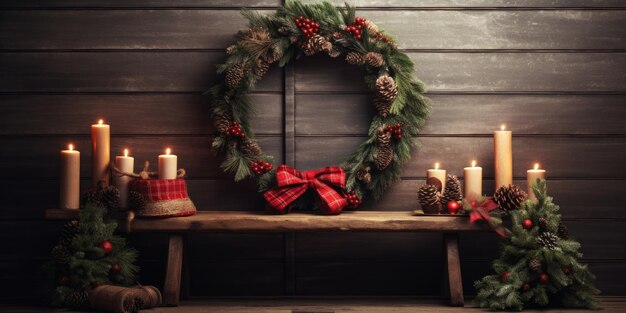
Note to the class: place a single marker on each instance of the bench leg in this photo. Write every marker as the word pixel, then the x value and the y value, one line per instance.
pixel 453 269
pixel 171 290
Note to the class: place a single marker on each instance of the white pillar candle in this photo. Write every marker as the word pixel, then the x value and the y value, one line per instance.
pixel 125 164
pixel 100 153
pixel 503 155
pixel 438 174
pixel 531 180
pixel 167 165
pixel 473 181
pixel 69 194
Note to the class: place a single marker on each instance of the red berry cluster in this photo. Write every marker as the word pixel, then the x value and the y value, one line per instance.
pixel 381 37
pixel 260 167
pixel 355 28
pixel 395 130
pixel 353 200
pixel 235 131
pixel 308 26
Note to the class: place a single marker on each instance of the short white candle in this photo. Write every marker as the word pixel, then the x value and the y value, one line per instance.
pixel 101 153
pixel 531 180
pixel 439 174
pixel 167 165
pixel 503 155
pixel 69 193
pixel 473 181
pixel 125 164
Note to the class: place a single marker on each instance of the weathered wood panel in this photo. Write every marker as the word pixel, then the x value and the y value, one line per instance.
pixel 486 72
pixel 187 71
pixel 214 29
pixel 564 157
pixel 194 153
pixel 191 4
pixel 134 114
pixel 239 278
pixel 349 114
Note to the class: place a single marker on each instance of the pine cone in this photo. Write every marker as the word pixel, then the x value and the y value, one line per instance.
pixel 251 148
pixel 381 105
pixel 509 197
pixel 231 50
pixel 386 88
pixel 429 199
pixel 547 240
pixel 452 191
pixel 535 265
pixel 563 232
pixel 543 223
pixel 308 47
pixel 337 36
pixel 234 75
pixel 273 57
pixel 70 229
pixel 77 299
pixel 363 175
pixel 136 201
pixel 383 137
pixel 334 52
pixel 355 58
pixel 111 198
pixel 261 67
pixel 371 27
pixel 221 122
pixel 93 197
pixel 374 59
pixel 60 254
pixel 320 42
pixel 383 157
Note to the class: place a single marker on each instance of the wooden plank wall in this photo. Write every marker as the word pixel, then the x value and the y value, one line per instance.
pixel 553 70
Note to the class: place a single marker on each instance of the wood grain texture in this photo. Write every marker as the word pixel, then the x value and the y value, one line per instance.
pixel 485 72
pixel 190 4
pixel 130 114
pixel 221 221
pixel 214 29
pixel 171 288
pixel 453 273
pixel 565 157
pixel 350 114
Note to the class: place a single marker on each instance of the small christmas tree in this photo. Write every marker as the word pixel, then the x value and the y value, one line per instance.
pixel 88 255
pixel 536 267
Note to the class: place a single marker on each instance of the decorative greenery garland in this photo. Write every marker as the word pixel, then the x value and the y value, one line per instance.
pixel 297 29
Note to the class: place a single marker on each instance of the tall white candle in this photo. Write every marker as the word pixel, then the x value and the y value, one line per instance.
pixel 167 165
pixel 438 174
pixel 125 164
pixel 100 153
pixel 531 179
pixel 473 181
pixel 69 193
pixel 503 157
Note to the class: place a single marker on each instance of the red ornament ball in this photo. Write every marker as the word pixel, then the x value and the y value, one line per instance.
pixel 116 268
pixel 544 278
pixel 107 246
pixel 505 276
pixel 526 287
pixel 63 280
pixel 566 270
pixel 453 207
pixel 528 223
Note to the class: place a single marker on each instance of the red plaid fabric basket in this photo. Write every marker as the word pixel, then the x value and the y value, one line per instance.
pixel 163 197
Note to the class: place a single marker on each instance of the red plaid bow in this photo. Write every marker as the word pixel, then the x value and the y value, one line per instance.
pixel 291 184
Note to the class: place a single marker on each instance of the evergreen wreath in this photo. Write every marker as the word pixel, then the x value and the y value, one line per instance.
pixel 298 29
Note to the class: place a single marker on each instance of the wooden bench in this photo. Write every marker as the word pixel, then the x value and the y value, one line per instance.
pixel 251 222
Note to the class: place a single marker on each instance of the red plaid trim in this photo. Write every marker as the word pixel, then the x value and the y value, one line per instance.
pixel 291 184
pixel 160 189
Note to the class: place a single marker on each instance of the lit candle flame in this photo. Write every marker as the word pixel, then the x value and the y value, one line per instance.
pixel 502 127
pixel 473 163
pixel 70 147
pixel 100 121
pixel 125 152
pixel 168 151
pixel 536 166
pixel 437 165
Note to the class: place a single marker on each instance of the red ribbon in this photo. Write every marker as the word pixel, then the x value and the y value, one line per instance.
pixel 291 184
pixel 481 212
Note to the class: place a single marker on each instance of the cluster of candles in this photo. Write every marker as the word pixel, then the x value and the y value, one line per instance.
pixel 69 196
pixel 503 161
